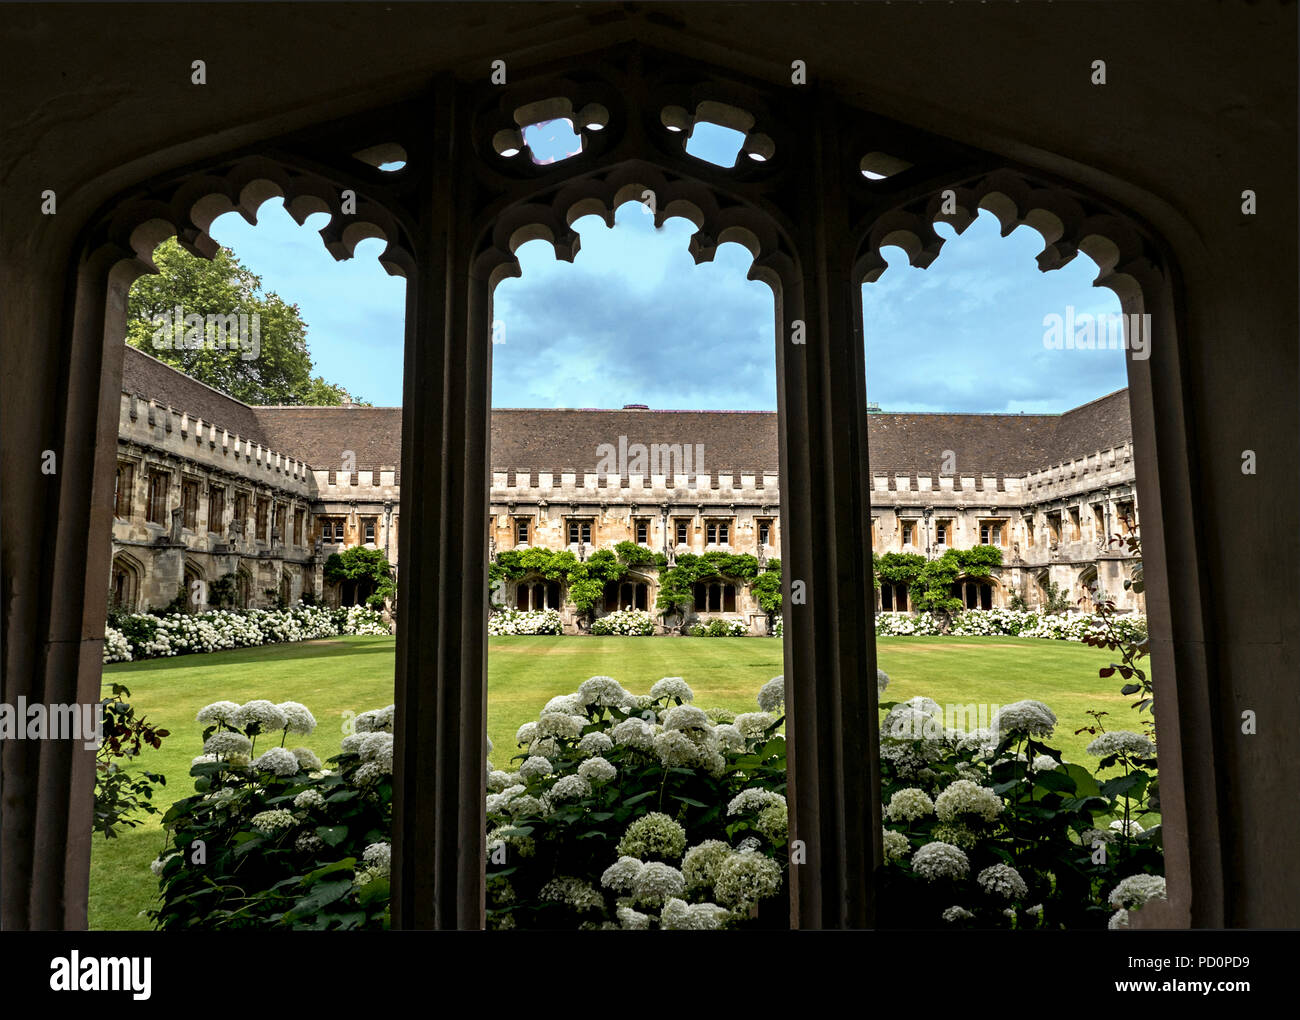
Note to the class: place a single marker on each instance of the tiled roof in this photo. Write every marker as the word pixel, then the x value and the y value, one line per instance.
pixel 563 439
pixel 146 376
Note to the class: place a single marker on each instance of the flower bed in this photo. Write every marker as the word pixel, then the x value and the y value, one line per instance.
pixel 289 843
pixel 525 621
pixel 1010 623
pixel 640 811
pixel 627 622
pixel 143 636
pixel 720 628
pixel 626 811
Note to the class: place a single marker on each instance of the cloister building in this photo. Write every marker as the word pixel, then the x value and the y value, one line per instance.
pixel 208 486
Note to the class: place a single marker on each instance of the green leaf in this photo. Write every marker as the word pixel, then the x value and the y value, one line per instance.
pixel 332 835
pixel 322 894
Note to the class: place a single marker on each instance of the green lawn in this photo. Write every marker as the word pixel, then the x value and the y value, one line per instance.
pixel 354 674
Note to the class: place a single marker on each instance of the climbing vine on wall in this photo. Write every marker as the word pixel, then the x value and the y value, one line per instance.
pixel 930 582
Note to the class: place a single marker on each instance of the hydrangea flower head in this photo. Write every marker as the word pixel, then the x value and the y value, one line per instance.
pixel 746 878
pixel 218 712
pixel 771 697
pixel 1122 742
pixel 1026 717
pixel 671 687
pixel 300 719
pixel 940 860
pixel 266 716
pixel 1003 880
pixel 906 805
pixel 966 798
pixel 686 717
pixel 597 770
pixel 653 835
pixel 656 881
pixel 602 691
pixel 278 760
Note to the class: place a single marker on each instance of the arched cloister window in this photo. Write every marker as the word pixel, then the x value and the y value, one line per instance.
pixel 630 594
pixel 893 597
pixel 424 759
pixel 539 594
pixel 124 583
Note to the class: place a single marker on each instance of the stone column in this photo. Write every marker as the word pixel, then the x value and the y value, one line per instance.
pixel 439 813
pixel 830 658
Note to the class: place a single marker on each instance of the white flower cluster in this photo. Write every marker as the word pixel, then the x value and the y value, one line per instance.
pixel 771 698
pixel 906 805
pixel 625 622
pixel 1136 890
pixel 222 629
pixel 523 622
pixel 1026 717
pixel 964 797
pixel 116 647
pixel 1011 622
pixel 940 860
pixel 1123 742
pixel 1003 880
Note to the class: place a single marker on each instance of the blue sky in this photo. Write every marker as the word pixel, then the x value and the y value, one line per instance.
pixel 634 320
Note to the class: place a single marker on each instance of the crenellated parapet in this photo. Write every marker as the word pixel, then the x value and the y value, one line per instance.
pixel 173 432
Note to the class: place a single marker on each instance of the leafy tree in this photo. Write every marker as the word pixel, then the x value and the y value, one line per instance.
pixel 281 371
pixel 359 570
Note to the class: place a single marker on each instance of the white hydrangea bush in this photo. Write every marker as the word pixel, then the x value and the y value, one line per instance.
pixel 289 841
pixel 992 828
pixel 525 622
pixel 145 636
pixel 627 811
pixel 1011 623
pixel 626 623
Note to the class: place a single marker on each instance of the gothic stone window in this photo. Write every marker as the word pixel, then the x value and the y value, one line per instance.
pixel 908 529
pixel 642 532
pixel 368 529
pixel 1076 531
pixel 683 528
pixel 719 532
pixel 159 481
pixel 281 513
pixel 974 594
pixel 263 518
pixel 715 597
pixel 1029 529
pixel 764 532
pixel 190 503
pixel 579 531
pixel 1054 527
pixel 991 532
pixel 1099 521
pixel 122 497
pixel 299 525
pixel 241 507
pixel 943 532
pixel 216 508
pixel 521 531
pixel 1124 516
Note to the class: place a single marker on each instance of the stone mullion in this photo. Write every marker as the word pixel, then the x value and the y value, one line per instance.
pixel 440 729
pixel 830 648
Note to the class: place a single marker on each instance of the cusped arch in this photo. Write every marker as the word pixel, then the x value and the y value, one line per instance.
pixel 718 219
pixel 1067 221
pixel 127 235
